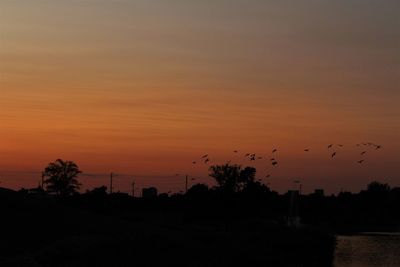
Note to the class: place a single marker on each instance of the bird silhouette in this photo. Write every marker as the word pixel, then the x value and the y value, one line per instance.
pixel 206 161
pixel 273 151
pixel 340 145
pixel 333 155
pixel 378 147
pixel 272 159
pixel 274 163
pixel 194 162
pixel 361 161
pixel 260 158
pixel 205 156
pixel 306 150
pixel 235 151
pixel 330 146
pixel 248 154
pixel 363 153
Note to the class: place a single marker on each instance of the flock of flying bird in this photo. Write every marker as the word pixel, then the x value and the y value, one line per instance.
pixel 253 157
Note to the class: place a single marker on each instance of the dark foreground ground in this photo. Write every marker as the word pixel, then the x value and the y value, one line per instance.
pixel 117 231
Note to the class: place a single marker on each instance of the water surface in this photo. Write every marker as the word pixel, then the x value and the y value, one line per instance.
pixel 368 250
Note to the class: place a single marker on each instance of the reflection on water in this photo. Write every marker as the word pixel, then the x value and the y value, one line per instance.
pixel 368 250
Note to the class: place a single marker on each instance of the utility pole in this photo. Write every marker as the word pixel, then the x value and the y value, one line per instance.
pixel 133 189
pixel 111 183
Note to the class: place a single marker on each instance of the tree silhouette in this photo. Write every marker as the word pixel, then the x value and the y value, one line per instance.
pixel 198 191
pixel 62 177
pixel 232 178
pixel 247 176
pixel 99 191
pixel 227 176
pixel 378 188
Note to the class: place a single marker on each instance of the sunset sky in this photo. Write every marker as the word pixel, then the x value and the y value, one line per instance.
pixel 143 88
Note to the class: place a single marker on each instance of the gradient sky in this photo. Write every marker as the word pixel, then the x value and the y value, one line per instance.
pixel 146 87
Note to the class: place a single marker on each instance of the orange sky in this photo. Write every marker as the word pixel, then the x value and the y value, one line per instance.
pixel 146 88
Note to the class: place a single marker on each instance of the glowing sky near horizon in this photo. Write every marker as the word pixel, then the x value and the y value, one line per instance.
pixel 146 87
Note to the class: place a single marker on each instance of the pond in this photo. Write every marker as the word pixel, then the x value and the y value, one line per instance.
pixel 368 250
